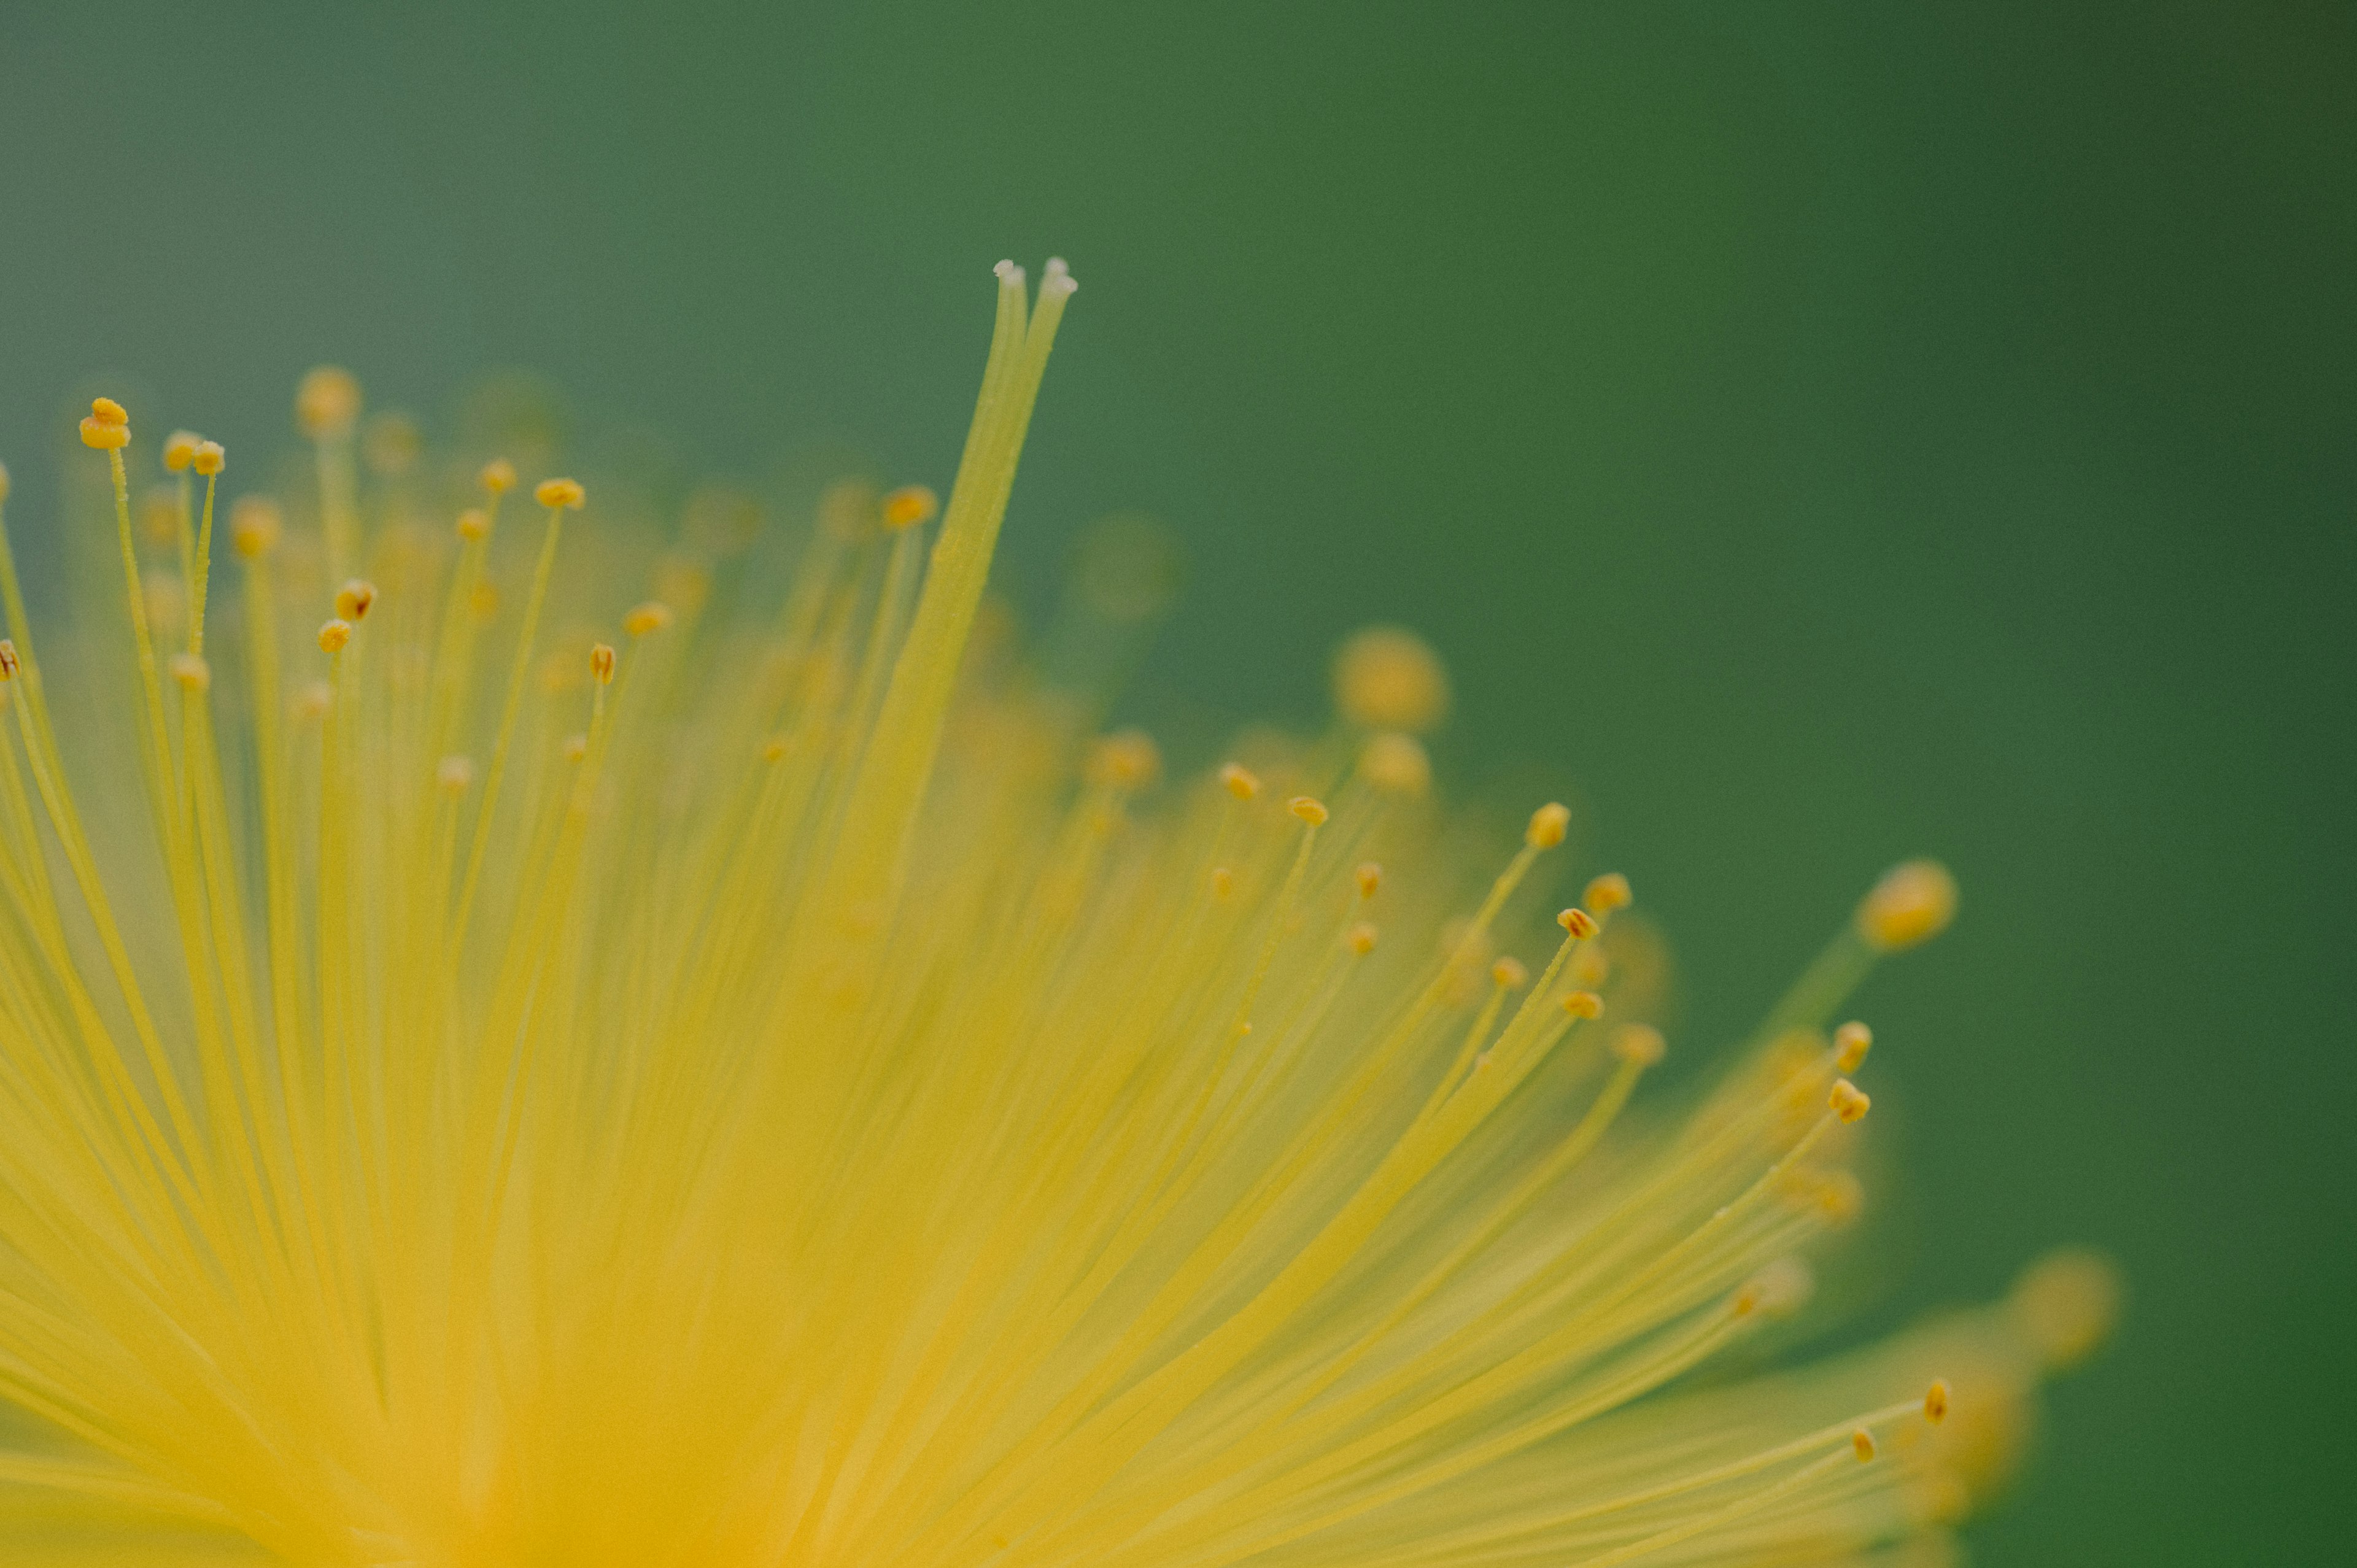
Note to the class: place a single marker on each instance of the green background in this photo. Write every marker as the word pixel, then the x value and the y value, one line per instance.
pixel 1824 431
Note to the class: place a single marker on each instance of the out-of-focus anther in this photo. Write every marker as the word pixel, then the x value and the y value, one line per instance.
pixel 1308 808
pixel 1361 938
pixel 1913 903
pixel 1583 1005
pixel 1640 1042
pixel 647 619
pixel 498 477
pixel 555 494
pixel 1861 1443
pixel 910 505
pixel 474 523
pixel 334 636
pixel 1389 679
pixel 327 403
pixel 354 599
pixel 1239 781
pixel 1509 972
pixel 254 527
pixel 1847 1100
pixel 191 672
pixel 1851 1042
pixel 210 458
pixel 453 774
pixel 181 450
pixel 1936 1402
pixel 1369 877
pixel 1606 894
pixel 1396 764
pixel 601 663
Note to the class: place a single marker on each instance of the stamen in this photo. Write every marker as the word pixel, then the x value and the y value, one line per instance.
pixel 1849 1101
pixel 1238 781
pixel 1851 1042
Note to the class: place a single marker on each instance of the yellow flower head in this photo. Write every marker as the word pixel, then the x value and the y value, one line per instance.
pixel 777 1089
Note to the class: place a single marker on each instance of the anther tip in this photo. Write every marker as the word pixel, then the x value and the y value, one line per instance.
pixel 909 506
pixel 601 663
pixel 334 635
pixel 1849 1101
pixel 1396 764
pixel 1583 1005
pixel 498 477
pixel 1548 825
pixel 555 494
pixel 1387 678
pixel 1861 1443
pixel 1913 903
pixel 1936 1402
pixel 210 458
pixel 1851 1042
pixel 354 599
pixel 181 449
pixel 1369 877
pixel 1641 1044
pixel 1308 808
pixel 1579 922
pixel 1239 781
pixel 327 401
pixel 1360 937
pixel 644 620
pixel 1511 974
pixel 254 527
pixel 1608 893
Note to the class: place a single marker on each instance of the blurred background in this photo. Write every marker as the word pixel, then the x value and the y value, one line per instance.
pixel 1825 433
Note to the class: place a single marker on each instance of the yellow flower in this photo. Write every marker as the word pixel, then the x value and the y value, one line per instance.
pixel 508 1071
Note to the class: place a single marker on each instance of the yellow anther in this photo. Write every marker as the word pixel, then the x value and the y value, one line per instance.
pixel 8 661
pixel 474 523
pixel 651 617
pixel 1583 1004
pixel 1361 938
pixel 1511 973
pixel 253 526
pixel 1779 1289
pixel 1385 678
pixel 1936 1402
pixel 1851 1042
pixel 1913 903
pixel 910 505
pixel 601 663
pixel 453 774
pixel 1223 883
pixel 102 433
pixel 181 449
pixel 497 476
pixel 1548 825
pixel 575 747
pixel 1607 893
pixel 1128 760
pixel 334 635
pixel 106 410
pixel 556 493
pixel 327 403
pixel 1308 808
pixel 1579 922
pixel 1839 1197
pixel 1640 1042
pixel 1862 1442
pixel 1369 877
pixel 211 459
pixel 191 672
pixel 1849 1101
pixel 353 599
pixel 1396 764
pixel 2065 1305
pixel 1239 781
